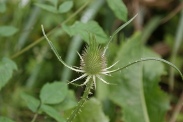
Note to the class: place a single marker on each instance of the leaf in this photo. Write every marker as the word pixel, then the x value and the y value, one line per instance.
pixel 157 101
pixel 119 9
pixel 53 93
pixel 128 93
pixel 69 102
pixel 91 112
pixel 52 112
pixel 6 71
pixel 137 91
pixel 31 102
pixel 7 30
pixel 2 7
pixel 65 6
pixel 5 119
pixel 84 28
pixel 46 7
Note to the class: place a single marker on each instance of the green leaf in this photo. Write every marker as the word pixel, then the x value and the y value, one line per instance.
pixel 54 2
pixel 69 102
pixel 6 71
pixel 7 30
pixel 52 112
pixel 2 7
pixel 31 102
pixel 53 93
pixel 137 91
pixel 129 92
pixel 119 9
pixel 65 6
pixel 156 100
pixel 33 105
pixel 91 112
pixel 5 119
pixel 46 7
pixel 84 28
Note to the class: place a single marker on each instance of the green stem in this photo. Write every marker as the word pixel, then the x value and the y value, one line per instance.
pixel 36 114
pixel 82 101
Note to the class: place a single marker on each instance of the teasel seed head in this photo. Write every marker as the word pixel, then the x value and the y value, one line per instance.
pixel 93 60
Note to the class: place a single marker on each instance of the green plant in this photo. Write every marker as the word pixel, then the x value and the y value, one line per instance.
pixel 118 78
pixel 93 65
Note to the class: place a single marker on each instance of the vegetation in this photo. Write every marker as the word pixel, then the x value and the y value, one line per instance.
pixel 91 61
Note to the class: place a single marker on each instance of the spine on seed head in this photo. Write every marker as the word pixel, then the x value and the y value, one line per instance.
pixel 93 61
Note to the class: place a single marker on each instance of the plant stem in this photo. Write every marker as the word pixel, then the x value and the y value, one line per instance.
pixel 82 101
pixel 176 47
pixel 149 59
pixel 29 24
pixel 177 109
pixel 36 114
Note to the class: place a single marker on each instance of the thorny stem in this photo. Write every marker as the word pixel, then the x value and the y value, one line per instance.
pixel 89 86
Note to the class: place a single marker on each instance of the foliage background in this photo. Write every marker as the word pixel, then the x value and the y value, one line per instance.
pixel 148 94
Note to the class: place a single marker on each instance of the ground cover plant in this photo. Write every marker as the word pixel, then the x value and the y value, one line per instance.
pixel 91 61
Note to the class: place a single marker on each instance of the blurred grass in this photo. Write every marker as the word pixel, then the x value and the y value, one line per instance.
pixel 38 65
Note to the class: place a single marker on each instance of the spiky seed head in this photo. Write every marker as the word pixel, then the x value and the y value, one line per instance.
pixel 93 61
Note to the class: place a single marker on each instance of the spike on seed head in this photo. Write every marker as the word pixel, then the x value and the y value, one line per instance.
pixel 93 61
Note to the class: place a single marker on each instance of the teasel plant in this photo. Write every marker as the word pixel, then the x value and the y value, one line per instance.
pixel 93 65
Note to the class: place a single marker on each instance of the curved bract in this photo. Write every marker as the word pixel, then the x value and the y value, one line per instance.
pixel 149 59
